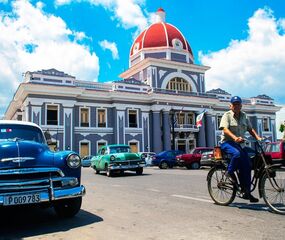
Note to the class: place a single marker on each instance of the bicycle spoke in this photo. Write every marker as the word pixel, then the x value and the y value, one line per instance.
pixel 273 190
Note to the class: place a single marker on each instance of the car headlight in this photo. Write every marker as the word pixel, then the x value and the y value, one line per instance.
pixel 112 158
pixel 73 161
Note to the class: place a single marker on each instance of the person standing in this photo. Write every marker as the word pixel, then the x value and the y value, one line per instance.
pixel 234 124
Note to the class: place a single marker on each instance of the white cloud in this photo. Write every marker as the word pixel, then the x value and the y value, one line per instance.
pixel 127 12
pixel 110 46
pixel 32 40
pixel 252 66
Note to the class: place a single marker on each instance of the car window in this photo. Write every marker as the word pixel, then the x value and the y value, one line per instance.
pixel 21 132
pixel 120 150
pixel 275 148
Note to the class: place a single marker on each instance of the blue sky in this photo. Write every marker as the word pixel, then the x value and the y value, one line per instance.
pixel 241 40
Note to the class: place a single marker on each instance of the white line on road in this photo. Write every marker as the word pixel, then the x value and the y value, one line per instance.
pixel 192 198
pixel 153 190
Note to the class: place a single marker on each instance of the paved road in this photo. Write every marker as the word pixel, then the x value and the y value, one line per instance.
pixel 161 204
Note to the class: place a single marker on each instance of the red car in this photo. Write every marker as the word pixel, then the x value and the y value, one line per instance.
pixel 192 159
pixel 277 151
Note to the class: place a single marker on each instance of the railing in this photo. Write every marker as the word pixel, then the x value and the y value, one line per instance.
pixel 185 126
pixel 182 93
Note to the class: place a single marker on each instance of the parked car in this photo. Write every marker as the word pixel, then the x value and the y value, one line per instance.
pixel 86 161
pixel 207 158
pixel 192 159
pixel 117 158
pixel 31 174
pixel 277 151
pixel 147 156
pixel 166 159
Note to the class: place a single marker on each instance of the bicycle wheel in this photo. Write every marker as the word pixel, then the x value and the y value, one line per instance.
pixel 273 191
pixel 220 188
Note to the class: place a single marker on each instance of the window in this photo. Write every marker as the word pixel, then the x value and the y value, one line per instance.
pixel 133 122
pixel 84 149
pixel 179 84
pixel 101 116
pixel 181 118
pixel 52 115
pixel 100 144
pixel 219 118
pixel 190 118
pixel 84 117
pixel 265 124
pixel 134 147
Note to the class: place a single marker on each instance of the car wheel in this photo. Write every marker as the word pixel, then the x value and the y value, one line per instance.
pixel 163 165
pixel 139 171
pixel 68 207
pixel 195 165
pixel 96 170
pixel 109 173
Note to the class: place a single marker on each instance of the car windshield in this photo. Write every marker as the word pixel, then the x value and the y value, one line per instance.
pixel 119 150
pixel 20 132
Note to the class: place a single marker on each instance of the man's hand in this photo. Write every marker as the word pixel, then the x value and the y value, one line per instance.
pixel 239 140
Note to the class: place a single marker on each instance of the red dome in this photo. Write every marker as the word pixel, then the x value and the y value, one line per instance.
pixel 160 35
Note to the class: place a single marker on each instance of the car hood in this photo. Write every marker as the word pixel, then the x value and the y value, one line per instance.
pixel 22 154
pixel 127 156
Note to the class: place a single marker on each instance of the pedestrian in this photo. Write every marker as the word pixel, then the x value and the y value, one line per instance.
pixel 234 124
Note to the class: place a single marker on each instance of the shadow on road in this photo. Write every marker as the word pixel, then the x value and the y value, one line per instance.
pixel 28 221
pixel 248 206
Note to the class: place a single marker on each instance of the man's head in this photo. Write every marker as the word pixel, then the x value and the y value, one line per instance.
pixel 236 104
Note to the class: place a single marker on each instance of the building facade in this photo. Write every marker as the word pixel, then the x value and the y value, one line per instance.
pixel 153 107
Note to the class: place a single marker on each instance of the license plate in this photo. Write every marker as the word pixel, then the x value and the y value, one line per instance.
pixel 22 199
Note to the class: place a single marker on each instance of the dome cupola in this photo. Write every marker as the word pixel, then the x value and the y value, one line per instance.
pixel 161 40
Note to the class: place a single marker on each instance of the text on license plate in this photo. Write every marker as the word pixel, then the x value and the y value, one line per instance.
pixel 22 199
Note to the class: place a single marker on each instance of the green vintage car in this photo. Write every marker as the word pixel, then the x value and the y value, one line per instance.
pixel 117 158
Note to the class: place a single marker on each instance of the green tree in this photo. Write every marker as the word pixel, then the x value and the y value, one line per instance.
pixel 282 129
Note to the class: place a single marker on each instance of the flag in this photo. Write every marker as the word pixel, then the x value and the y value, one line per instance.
pixel 199 119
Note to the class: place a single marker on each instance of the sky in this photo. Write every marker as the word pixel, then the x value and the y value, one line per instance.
pixel 242 41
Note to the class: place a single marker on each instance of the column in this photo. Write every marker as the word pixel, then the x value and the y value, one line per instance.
pixel 68 132
pixel 210 130
pixel 156 132
pixel 166 131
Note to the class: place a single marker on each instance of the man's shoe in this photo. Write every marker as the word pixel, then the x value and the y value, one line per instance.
pixel 230 176
pixel 249 197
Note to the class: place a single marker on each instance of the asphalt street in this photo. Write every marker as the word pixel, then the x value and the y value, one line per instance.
pixel 161 204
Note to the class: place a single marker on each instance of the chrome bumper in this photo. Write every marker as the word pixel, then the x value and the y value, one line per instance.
pixel 52 195
pixel 125 167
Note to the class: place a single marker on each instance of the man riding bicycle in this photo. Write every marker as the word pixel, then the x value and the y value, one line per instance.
pixel 234 124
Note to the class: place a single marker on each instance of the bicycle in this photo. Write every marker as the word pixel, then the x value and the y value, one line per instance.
pixel 270 179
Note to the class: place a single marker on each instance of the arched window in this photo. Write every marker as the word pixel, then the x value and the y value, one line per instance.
pixel 179 84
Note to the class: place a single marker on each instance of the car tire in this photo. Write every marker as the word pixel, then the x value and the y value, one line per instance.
pixel 195 165
pixel 109 173
pixel 68 208
pixel 163 165
pixel 139 171
pixel 96 170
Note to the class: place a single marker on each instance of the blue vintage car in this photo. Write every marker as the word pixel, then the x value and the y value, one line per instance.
pixel 32 174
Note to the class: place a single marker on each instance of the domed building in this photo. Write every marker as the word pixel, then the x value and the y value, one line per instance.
pixel 153 108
